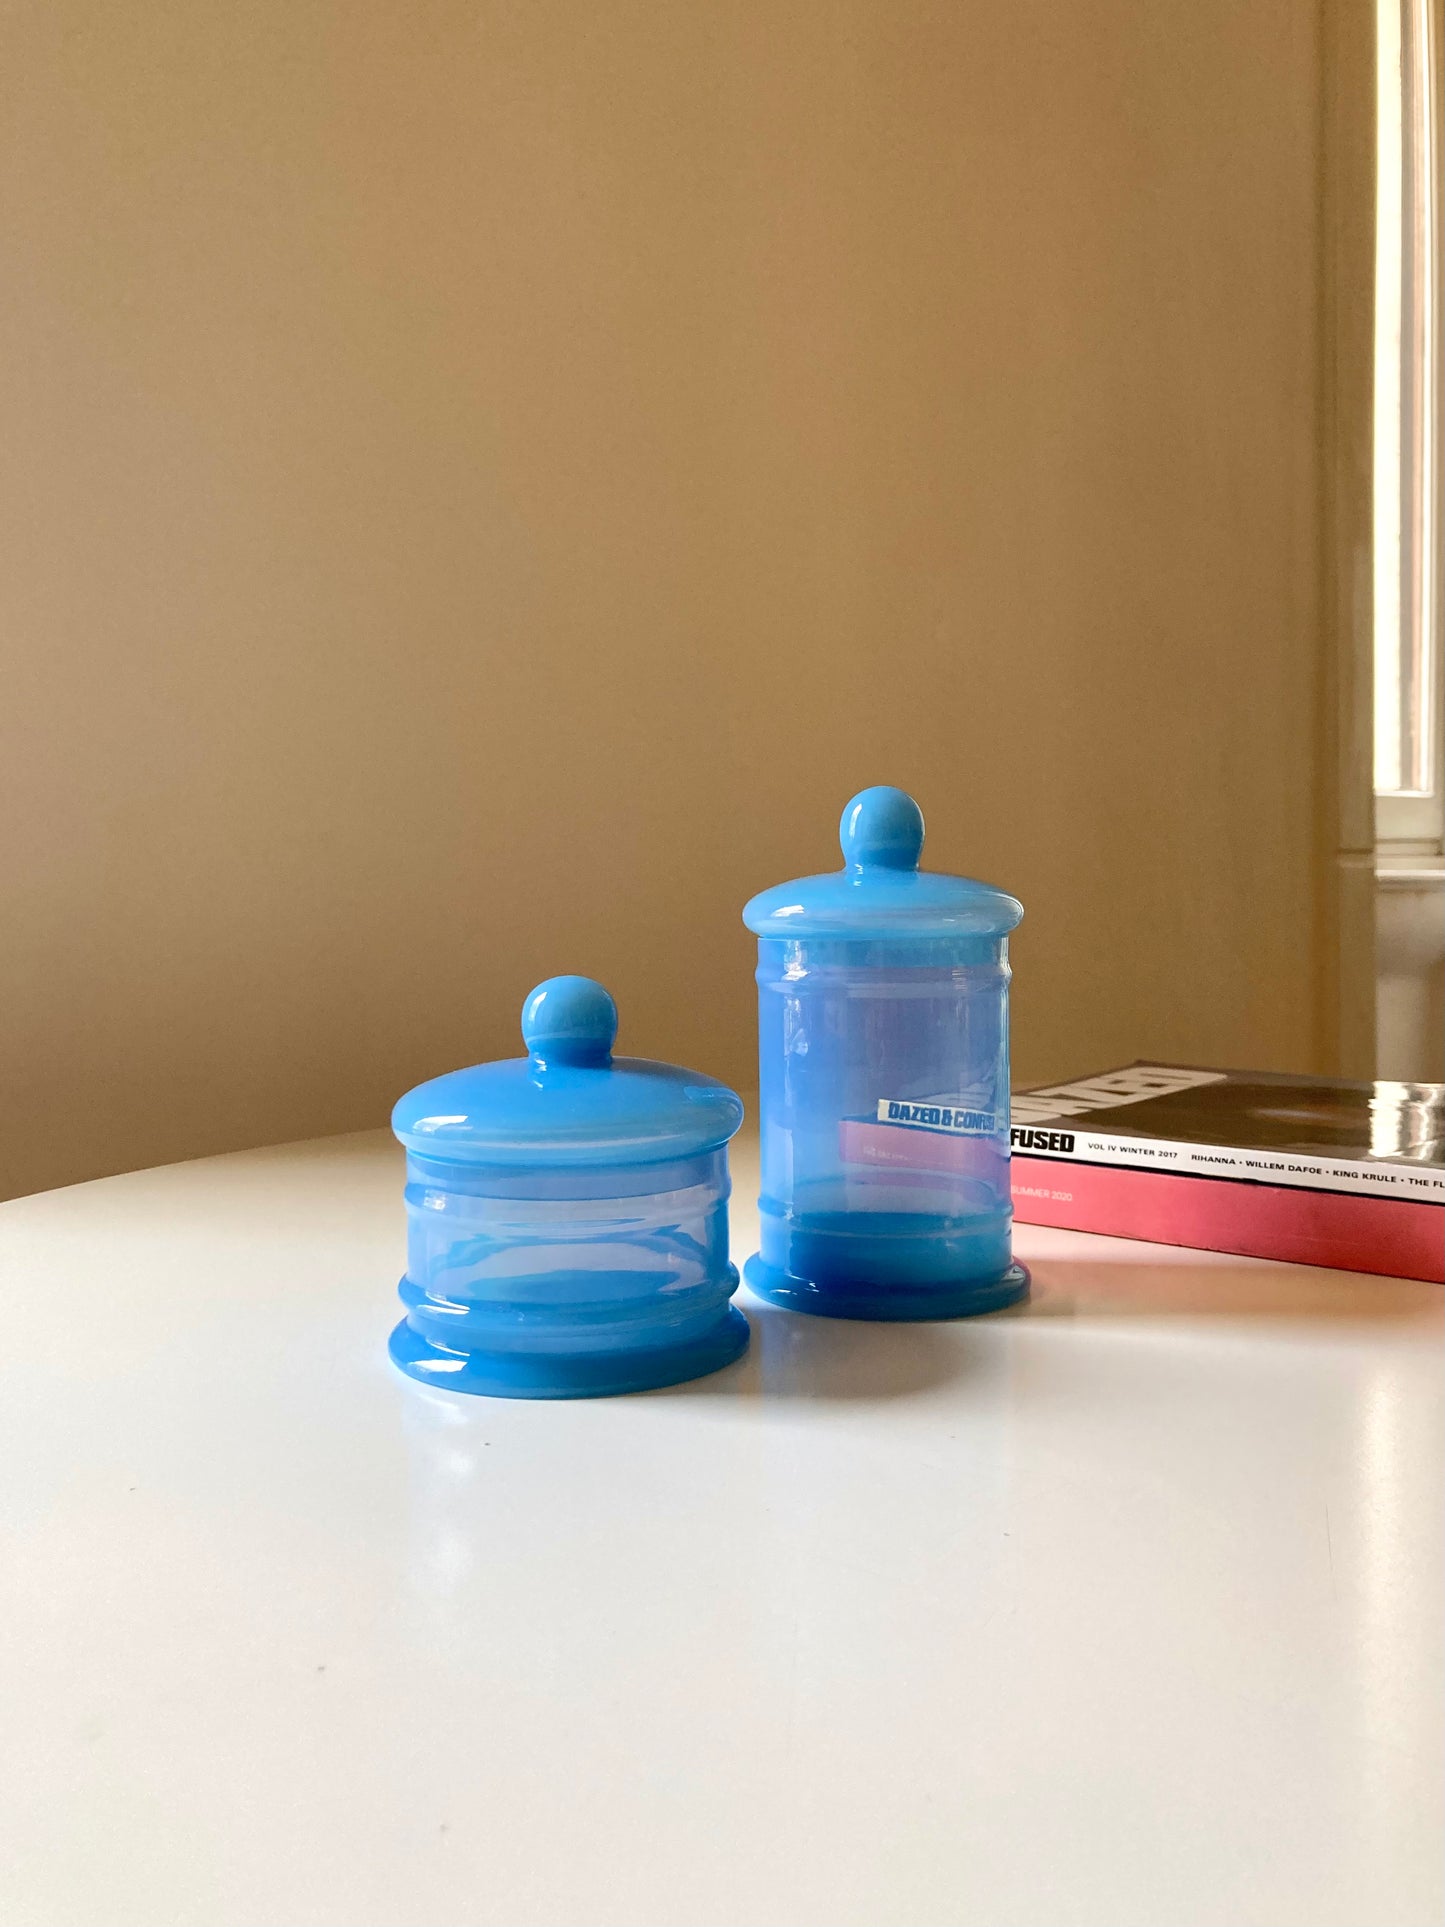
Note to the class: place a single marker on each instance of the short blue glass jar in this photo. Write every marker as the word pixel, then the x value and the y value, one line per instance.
pixel 884 1059
pixel 567 1215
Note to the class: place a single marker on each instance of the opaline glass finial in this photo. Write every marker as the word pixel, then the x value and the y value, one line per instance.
pixel 882 828
pixel 569 1020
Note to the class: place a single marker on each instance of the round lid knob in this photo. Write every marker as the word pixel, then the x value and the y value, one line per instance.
pixel 882 828
pixel 569 1020
pixel 880 895
pixel 569 1103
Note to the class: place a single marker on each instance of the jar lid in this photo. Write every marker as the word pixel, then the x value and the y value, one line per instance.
pixel 569 1102
pixel 880 894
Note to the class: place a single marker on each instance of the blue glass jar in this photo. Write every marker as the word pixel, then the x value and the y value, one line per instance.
pixel 567 1215
pixel 883 1051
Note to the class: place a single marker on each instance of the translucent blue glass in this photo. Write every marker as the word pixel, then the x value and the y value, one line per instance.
pixel 884 1068
pixel 567 1216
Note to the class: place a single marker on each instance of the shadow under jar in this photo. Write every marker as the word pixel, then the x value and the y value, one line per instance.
pixel 884 1071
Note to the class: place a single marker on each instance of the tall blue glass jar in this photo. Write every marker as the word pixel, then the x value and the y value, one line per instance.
pixel 884 1057
pixel 567 1215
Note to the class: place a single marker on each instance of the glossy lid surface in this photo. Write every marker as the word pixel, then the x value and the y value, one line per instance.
pixel 569 1102
pixel 880 894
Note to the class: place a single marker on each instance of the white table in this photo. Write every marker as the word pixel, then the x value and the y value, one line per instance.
pixel 1125 1609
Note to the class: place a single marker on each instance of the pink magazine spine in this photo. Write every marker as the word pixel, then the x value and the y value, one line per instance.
pixel 1394 1237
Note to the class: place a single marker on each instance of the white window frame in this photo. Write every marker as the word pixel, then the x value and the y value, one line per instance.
pixel 1408 428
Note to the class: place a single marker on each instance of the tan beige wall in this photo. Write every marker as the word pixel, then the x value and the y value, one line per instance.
pixel 482 484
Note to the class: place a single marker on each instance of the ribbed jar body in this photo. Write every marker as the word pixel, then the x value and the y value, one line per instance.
pixel 884 1074
pixel 584 1260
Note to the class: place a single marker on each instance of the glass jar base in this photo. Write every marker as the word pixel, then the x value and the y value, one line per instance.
pixel 555 1375
pixel 893 1303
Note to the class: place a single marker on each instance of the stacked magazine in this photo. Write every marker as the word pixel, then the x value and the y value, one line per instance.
pixel 1271 1166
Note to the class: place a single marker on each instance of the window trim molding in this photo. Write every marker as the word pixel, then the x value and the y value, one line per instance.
pixel 1345 925
pixel 1412 821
